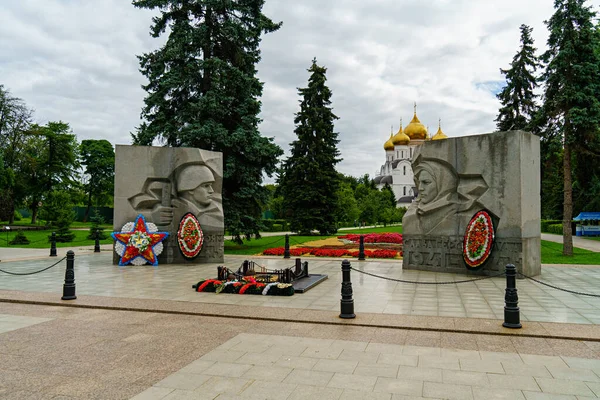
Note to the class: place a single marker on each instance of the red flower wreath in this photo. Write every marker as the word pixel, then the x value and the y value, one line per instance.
pixel 478 240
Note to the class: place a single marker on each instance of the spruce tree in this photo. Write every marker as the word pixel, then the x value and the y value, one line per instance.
pixel 572 79
pixel 309 182
pixel 517 97
pixel 203 92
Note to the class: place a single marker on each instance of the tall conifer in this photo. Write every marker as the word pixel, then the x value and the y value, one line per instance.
pixel 517 97
pixel 309 181
pixel 203 92
pixel 572 79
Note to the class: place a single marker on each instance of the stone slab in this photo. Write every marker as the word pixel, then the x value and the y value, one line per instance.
pixel 498 173
pixel 165 183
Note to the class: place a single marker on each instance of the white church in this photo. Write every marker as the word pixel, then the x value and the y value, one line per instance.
pixel 399 149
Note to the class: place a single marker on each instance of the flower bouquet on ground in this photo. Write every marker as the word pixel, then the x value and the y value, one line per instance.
pixel 248 285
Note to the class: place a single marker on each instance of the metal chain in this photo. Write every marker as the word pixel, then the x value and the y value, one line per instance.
pixel 428 283
pixel 31 273
pixel 558 288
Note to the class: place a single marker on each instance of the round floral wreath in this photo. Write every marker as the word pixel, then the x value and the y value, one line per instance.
pixel 478 240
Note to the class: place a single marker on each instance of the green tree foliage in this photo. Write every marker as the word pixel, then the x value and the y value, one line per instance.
pixel 15 119
pixel 309 181
pixel 517 97
pixel 347 206
pixel 96 227
pixel 98 156
pixel 58 212
pixel 52 162
pixel 203 92
pixel 572 89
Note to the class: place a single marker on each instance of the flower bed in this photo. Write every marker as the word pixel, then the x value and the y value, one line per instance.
pixel 374 238
pixel 331 252
pixel 245 287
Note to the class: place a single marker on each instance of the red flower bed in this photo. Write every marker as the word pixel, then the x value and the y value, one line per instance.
pixel 375 238
pixel 382 253
pixel 274 251
pixel 328 252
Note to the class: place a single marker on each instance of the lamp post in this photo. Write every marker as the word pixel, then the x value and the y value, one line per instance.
pixel 7 229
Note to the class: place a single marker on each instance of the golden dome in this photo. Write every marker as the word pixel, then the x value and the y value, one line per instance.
pixel 389 145
pixel 400 137
pixel 416 130
pixel 439 135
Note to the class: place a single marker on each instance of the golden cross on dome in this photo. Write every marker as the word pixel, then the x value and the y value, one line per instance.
pixel 415 107
pixel 440 123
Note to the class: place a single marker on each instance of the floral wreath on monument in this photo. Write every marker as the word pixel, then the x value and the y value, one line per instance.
pixel 478 240
pixel 139 242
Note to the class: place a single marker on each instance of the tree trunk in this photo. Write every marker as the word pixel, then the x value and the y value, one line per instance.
pixel 11 209
pixel 34 213
pixel 568 202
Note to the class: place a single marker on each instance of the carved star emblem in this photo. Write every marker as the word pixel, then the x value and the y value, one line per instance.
pixel 139 242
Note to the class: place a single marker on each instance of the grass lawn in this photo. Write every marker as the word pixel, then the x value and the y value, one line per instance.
pixel 552 254
pixel 39 239
pixel 26 222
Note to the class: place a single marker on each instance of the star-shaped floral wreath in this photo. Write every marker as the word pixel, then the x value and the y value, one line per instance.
pixel 139 242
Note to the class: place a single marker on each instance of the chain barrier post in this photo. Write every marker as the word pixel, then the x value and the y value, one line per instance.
pixel 361 248
pixel 511 309
pixel 97 243
pixel 286 251
pixel 53 245
pixel 347 302
pixel 69 286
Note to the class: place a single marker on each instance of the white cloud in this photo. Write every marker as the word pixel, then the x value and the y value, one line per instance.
pixel 76 61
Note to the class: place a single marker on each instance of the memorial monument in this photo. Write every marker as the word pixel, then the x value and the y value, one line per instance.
pixel 177 189
pixel 485 188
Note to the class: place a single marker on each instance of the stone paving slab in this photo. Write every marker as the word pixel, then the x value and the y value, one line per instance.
pixel 483 299
pixel 282 314
pixel 81 353
pixel 433 376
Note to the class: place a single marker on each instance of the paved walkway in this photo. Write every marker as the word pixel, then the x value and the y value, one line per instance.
pixel 143 333
pixel 95 275
pixel 578 241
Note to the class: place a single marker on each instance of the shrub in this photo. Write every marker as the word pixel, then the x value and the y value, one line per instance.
pixel 555 228
pixel 97 220
pixel 545 223
pixel 18 216
pixel 19 238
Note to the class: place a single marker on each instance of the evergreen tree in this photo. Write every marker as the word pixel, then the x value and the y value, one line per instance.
pixel 203 92
pixel 310 182
pixel 517 97
pixel 572 87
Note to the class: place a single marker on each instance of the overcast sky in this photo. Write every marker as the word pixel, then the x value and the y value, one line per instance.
pixel 75 61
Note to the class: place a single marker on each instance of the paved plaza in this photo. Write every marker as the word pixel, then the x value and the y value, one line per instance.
pixel 144 333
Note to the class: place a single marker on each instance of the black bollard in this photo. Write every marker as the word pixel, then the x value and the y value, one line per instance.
pixel 286 251
pixel 53 245
pixel 97 244
pixel 361 248
pixel 245 267
pixel 511 307
pixel 69 286
pixel 346 303
pixel 298 267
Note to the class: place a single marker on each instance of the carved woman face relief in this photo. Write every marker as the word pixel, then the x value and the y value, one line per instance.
pixel 427 187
